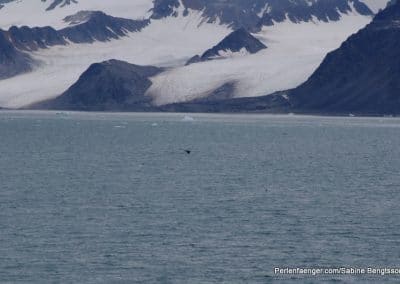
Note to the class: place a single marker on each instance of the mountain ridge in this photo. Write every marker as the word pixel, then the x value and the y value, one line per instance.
pixel 97 27
pixel 254 14
pixel 362 75
pixel 251 14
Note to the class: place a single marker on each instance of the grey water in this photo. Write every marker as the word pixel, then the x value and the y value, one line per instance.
pixel 114 198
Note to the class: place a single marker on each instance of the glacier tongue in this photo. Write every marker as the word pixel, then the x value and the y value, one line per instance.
pixel 294 52
pixel 167 42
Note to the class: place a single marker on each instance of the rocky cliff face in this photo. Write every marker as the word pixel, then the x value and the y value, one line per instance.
pixel 12 61
pixel 362 76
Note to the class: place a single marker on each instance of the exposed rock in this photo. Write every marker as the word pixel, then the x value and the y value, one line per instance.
pixel 253 14
pixel 26 38
pixel 360 77
pixel 12 61
pixel 111 85
pixel 93 26
pixel 60 3
pixel 98 26
pixel 239 40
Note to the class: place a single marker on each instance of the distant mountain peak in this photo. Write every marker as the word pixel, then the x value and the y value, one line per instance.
pixel 239 40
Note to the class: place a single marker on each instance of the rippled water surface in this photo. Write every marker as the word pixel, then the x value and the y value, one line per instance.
pixel 114 198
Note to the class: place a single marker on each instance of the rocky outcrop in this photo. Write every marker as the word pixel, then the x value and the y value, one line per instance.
pixel 108 86
pixel 239 40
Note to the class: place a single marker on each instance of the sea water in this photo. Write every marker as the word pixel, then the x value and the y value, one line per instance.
pixel 115 198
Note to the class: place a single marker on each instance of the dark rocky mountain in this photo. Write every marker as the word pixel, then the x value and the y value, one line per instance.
pixel 98 26
pixel 391 2
pixel 234 42
pixel 26 38
pixel 12 61
pixel 253 14
pixel 304 11
pixel 362 76
pixel 111 85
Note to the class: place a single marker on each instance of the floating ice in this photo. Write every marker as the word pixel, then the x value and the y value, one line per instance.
pixel 187 118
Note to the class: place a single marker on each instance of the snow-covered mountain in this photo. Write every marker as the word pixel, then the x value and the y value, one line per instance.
pixel 85 27
pixel 256 13
pixel 167 33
